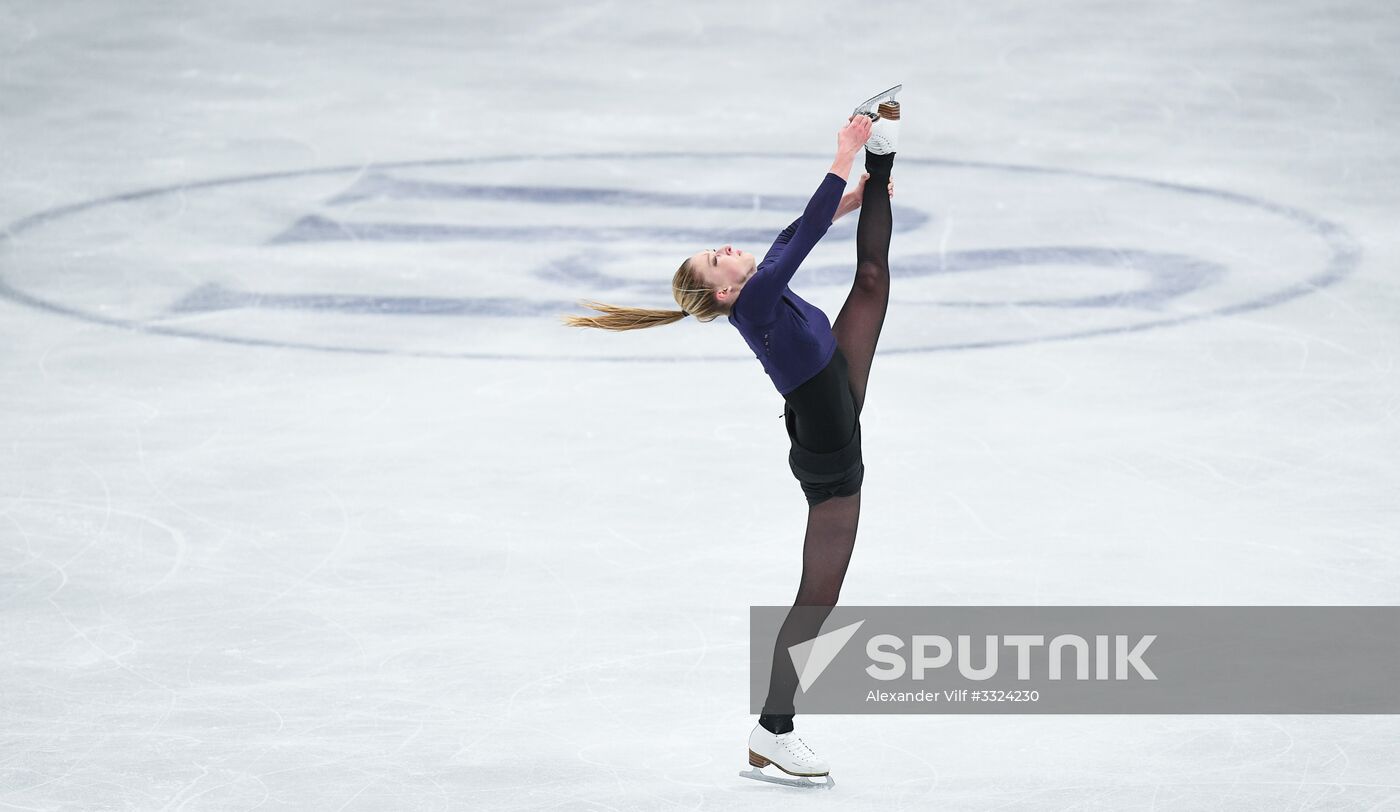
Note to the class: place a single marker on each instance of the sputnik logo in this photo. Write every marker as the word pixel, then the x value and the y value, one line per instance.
pixel 811 658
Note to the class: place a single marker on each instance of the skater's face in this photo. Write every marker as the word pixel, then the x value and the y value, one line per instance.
pixel 726 269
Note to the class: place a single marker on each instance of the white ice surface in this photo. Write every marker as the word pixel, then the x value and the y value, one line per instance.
pixel 257 575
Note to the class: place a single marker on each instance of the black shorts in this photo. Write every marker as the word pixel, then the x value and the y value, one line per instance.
pixel 824 429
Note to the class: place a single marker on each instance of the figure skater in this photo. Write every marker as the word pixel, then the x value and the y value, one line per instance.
pixel 821 370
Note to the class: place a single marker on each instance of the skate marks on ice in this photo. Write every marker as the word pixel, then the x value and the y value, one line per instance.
pixel 473 258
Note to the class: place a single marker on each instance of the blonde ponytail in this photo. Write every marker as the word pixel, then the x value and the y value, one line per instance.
pixel 617 317
pixel 690 291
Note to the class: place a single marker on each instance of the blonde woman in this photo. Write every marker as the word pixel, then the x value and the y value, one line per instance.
pixel 821 369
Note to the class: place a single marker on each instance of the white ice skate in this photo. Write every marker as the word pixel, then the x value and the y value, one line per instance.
pixel 789 754
pixel 884 136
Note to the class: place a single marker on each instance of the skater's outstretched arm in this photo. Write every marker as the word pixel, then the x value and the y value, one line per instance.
pixel 762 292
pixel 764 289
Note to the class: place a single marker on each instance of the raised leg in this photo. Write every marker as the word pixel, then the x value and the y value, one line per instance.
pixel 857 327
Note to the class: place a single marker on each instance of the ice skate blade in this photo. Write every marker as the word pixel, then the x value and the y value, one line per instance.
pixel 800 783
pixel 867 107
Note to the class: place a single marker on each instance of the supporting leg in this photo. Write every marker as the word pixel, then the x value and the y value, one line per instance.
pixel 826 553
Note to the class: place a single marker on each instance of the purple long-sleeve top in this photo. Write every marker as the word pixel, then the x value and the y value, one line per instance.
pixel 791 337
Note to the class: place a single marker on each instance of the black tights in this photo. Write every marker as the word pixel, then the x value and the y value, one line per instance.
pixel 831 525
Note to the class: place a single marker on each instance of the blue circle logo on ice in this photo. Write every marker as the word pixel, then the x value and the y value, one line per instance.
pixel 476 258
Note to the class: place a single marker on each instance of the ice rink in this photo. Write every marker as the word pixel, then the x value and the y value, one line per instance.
pixel 308 501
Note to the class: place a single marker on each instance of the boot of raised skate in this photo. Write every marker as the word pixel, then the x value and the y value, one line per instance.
pixel 884 136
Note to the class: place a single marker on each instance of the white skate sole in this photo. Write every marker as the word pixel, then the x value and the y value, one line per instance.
pixel 755 771
pixel 867 107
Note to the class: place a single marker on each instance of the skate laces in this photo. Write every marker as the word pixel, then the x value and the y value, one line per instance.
pixel 799 748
